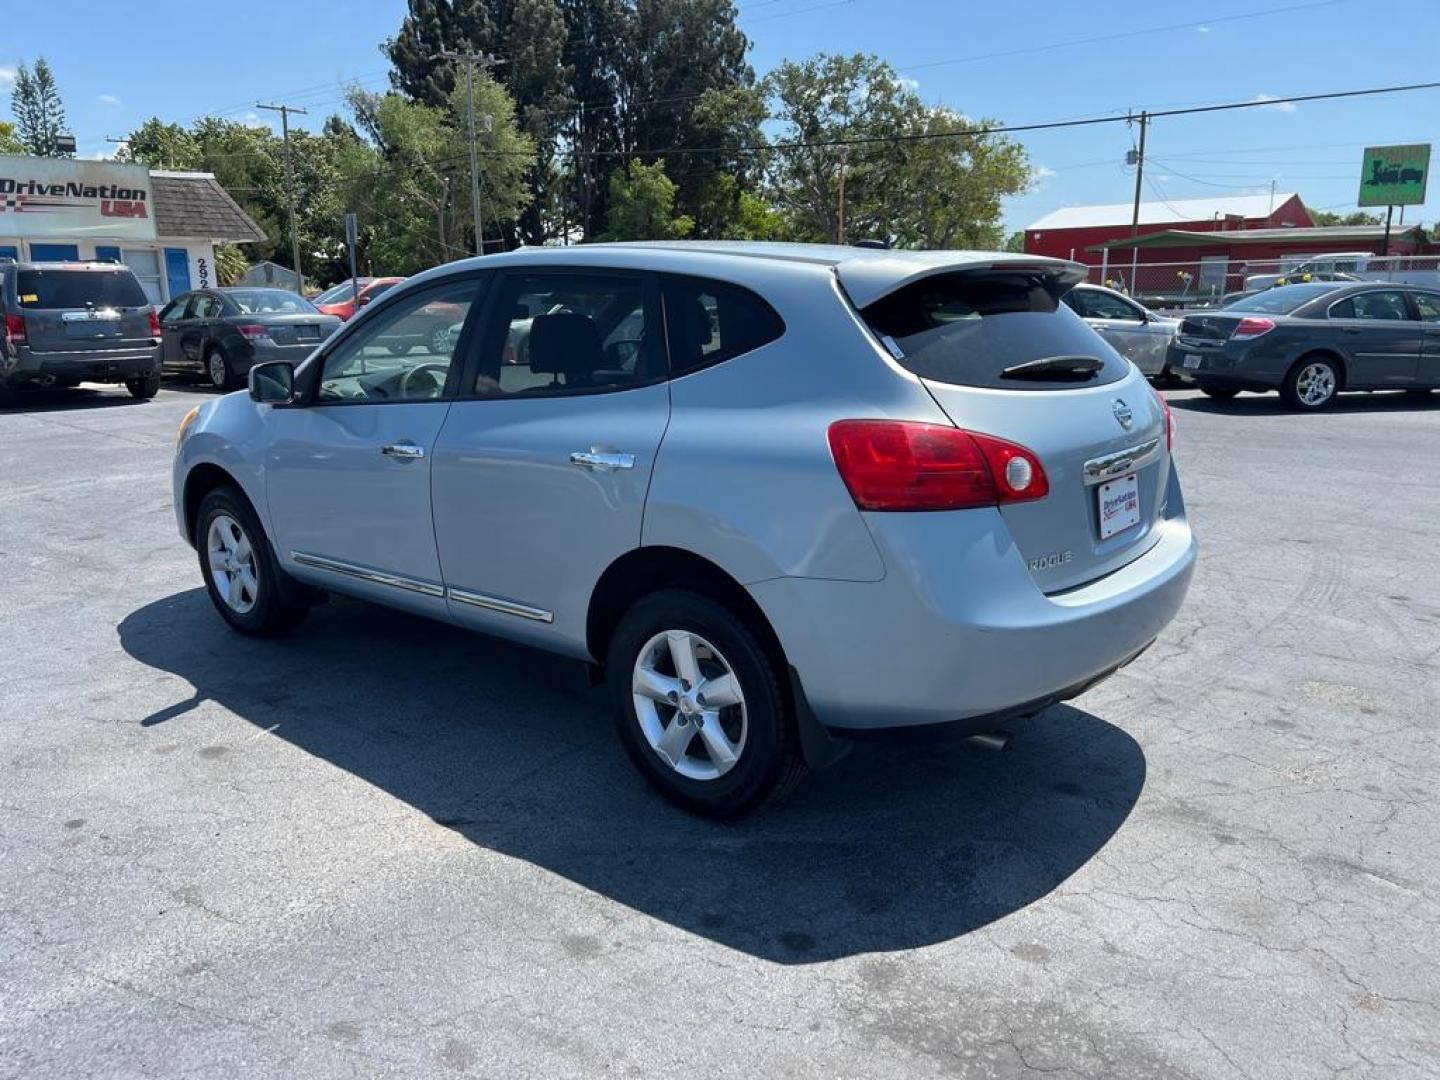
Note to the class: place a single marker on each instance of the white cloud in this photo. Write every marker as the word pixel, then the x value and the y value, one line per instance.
pixel 909 83
pixel 7 75
pixel 1041 172
pixel 109 99
pixel 1279 106
pixel 1202 29
pixel 255 120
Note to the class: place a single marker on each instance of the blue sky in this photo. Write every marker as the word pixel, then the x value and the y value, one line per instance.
pixel 1017 62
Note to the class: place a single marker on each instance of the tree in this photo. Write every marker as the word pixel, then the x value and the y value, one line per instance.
pixel 642 204
pixel 1359 217
pixel 1015 242
pixel 10 142
pixel 39 114
pixel 162 146
pixel 914 175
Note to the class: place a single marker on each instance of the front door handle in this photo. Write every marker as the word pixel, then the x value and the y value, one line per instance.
pixel 405 451
pixel 602 461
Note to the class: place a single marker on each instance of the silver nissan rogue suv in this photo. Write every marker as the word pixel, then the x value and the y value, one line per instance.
pixel 774 493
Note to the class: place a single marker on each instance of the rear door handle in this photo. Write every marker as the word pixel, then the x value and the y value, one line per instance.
pixel 1350 329
pixel 405 451
pixel 601 461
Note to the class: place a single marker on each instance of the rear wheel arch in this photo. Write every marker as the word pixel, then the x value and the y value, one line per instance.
pixel 646 570
pixel 1323 354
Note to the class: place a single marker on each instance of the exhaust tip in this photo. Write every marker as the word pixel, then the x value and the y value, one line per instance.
pixel 993 741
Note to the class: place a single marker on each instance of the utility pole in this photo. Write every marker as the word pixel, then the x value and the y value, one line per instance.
pixel 285 111
pixel 840 232
pixel 1135 214
pixel 486 61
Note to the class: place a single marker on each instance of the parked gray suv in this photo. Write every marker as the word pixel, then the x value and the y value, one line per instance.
pixel 67 323
pixel 773 493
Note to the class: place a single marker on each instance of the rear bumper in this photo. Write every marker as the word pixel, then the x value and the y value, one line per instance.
pixel 22 365
pixel 1230 367
pixel 971 640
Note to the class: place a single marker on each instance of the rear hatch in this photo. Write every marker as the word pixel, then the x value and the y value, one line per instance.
pixel 82 309
pixel 1002 357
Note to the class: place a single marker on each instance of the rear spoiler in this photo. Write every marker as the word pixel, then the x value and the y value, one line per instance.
pixel 866 280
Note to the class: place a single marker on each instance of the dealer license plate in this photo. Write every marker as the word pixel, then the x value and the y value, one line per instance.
pixel 1192 361
pixel 1119 505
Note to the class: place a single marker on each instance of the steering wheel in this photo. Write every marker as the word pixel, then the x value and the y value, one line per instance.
pixel 443 369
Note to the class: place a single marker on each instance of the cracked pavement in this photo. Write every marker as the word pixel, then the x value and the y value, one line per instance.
pixel 390 848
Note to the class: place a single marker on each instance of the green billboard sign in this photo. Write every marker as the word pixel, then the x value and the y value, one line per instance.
pixel 1394 175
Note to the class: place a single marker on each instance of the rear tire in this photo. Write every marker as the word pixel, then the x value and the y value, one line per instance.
pixel 244 579
pixel 1220 393
pixel 218 370
pixel 145 387
pixel 1311 384
pixel 721 758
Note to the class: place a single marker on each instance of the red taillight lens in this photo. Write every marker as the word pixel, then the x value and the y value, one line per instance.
pixel 15 327
pixel 1169 419
pixel 252 330
pixel 154 323
pixel 1250 327
pixel 901 465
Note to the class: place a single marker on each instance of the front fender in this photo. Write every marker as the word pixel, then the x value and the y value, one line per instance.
pixel 230 435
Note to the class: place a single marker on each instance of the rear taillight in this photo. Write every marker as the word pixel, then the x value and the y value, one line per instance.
pixel 902 465
pixel 1169 419
pixel 1250 327
pixel 252 330
pixel 15 328
pixel 154 323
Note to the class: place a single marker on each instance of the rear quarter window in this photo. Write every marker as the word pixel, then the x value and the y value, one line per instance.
pixel 78 288
pixel 967 331
pixel 712 321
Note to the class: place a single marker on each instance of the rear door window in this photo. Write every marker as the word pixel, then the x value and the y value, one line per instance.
pixel 711 321
pixel 79 288
pixel 969 330
pixel 1389 304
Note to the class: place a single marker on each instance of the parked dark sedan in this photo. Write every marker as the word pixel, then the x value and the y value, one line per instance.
pixel 1312 341
pixel 222 333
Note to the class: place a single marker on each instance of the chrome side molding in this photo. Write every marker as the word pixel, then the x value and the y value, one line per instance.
pixel 505 607
pixel 364 573
pixel 1098 470
pixel 425 588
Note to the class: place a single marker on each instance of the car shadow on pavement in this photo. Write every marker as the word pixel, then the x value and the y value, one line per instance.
pixel 1387 401
pixel 68 399
pixel 902 844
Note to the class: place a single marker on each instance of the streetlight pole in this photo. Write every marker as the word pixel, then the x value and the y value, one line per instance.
pixel 285 111
pixel 486 61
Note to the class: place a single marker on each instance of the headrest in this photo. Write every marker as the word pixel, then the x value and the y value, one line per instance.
pixel 565 344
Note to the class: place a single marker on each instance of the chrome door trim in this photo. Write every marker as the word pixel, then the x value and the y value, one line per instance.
pixel 1098 470
pixel 505 607
pixel 364 573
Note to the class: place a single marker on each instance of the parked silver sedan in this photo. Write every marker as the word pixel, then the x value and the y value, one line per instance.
pixel 1138 334
pixel 773 493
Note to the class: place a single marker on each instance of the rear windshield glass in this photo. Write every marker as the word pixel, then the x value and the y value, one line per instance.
pixel 270 302
pixel 77 288
pixel 1281 300
pixel 982 331
pixel 335 294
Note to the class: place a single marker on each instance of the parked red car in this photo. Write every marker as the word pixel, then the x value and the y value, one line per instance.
pixel 340 300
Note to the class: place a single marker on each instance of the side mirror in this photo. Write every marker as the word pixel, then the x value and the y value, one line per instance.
pixel 273 382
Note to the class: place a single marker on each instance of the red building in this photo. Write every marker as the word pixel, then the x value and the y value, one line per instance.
pixel 1076 232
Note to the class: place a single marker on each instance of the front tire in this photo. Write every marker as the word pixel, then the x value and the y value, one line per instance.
pixel 1311 384
pixel 241 573
pixel 699 705
pixel 218 371
pixel 145 387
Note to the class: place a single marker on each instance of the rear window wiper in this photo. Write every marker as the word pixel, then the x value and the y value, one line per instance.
pixel 1056 368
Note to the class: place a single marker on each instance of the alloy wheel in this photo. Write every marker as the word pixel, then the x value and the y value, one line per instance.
pixel 440 341
pixel 1315 384
pixel 232 563
pixel 690 705
pixel 219 374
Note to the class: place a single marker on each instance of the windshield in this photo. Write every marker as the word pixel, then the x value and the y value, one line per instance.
pixel 270 302
pixel 336 294
pixel 1280 301
pixel 79 288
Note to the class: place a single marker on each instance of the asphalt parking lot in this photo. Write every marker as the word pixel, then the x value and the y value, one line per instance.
pixel 389 848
